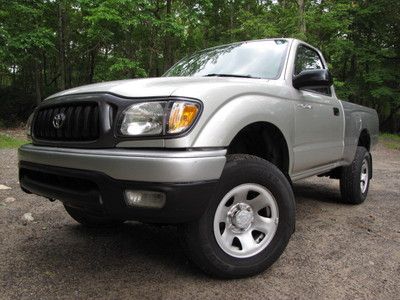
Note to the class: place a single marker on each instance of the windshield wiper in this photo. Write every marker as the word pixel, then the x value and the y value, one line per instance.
pixel 230 75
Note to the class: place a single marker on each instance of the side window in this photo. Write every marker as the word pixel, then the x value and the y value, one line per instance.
pixel 309 59
pixel 306 59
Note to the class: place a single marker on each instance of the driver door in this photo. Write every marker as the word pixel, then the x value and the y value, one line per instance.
pixel 318 124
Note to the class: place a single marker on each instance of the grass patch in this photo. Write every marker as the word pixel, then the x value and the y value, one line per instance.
pixel 391 141
pixel 8 142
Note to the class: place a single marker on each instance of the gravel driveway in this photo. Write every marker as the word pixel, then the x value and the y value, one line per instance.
pixel 338 251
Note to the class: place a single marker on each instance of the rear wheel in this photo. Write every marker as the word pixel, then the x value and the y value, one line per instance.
pixel 247 224
pixel 89 220
pixel 355 178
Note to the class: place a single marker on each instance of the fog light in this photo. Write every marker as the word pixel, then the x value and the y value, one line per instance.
pixel 147 199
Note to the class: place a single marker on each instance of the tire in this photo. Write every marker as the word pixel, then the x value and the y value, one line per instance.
pixel 89 220
pixel 244 179
pixel 352 188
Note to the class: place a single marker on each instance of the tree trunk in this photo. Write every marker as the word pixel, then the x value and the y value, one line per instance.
pixel 302 22
pixel 92 62
pixel 44 65
pixel 344 70
pixel 151 69
pixel 38 83
pixel 168 38
pixel 61 50
pixel 231 19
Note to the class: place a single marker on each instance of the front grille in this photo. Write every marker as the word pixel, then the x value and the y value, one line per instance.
pixel 76 122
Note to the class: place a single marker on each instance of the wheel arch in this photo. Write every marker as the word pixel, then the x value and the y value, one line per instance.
pixel 364 139
pixel 264 140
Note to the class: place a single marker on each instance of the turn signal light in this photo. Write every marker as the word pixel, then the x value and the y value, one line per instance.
pixel 182 116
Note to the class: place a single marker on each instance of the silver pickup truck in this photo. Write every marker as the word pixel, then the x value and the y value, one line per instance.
pixel 212 146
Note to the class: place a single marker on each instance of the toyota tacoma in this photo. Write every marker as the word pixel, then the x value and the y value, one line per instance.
pixel 212 146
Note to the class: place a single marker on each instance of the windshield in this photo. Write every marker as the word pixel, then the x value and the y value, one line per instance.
pixel 258 59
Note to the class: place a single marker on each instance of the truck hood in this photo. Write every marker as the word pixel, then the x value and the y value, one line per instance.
pixel 194 87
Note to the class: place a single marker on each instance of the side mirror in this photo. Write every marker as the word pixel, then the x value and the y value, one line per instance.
pixel 313 78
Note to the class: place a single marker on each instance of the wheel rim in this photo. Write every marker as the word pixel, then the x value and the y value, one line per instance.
pixel 246 220
pixel 364 177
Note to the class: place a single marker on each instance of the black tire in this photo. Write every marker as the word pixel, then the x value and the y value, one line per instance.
pixel 350 187
pixel 198 237
pixel 88 220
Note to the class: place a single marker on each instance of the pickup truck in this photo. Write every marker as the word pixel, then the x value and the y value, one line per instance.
pixel 212 146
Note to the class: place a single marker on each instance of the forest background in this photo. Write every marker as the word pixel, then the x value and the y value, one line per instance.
pixel 51 45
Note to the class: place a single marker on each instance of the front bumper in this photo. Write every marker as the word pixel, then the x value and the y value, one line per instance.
pixel 95 180
pixel 134 165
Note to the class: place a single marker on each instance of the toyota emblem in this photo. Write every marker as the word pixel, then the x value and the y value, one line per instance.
pixel 58 120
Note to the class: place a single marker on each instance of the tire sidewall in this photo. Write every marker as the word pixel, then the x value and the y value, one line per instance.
pixel 368 157
pixel 350 188
pixel 267 175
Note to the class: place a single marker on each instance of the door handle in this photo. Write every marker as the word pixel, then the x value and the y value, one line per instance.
pixel 336 111
pixel 304 106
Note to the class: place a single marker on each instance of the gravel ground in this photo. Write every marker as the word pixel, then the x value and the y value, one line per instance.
pixel 337 251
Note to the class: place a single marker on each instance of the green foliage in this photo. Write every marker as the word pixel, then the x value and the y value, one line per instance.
pixel 125 68
pixel 391 141
pixel 48 45
pixel 7 142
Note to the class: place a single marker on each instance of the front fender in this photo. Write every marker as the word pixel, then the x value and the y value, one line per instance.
pixel 224 124
pixel 232 117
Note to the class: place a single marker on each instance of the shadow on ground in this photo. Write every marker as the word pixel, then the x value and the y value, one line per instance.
pixel 129 248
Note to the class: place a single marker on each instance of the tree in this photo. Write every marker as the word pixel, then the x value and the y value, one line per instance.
pixel 50 45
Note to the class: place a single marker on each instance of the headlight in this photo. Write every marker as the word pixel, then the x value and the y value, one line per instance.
pixel 28 126
pixel 159 118
pixel 144 119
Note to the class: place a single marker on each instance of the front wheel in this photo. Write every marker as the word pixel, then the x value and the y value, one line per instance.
pixel 248 222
